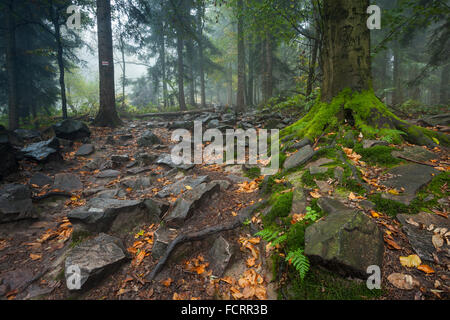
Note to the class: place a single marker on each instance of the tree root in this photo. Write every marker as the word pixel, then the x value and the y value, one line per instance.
pixel 51 194
pixel 354 171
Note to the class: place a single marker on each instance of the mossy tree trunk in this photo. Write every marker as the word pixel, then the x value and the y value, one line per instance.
pixel 347 95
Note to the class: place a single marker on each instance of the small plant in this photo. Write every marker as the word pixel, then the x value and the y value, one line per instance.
pixel 272 236
pixel 299 261
pixel 311 214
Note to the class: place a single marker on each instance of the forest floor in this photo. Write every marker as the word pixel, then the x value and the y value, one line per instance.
pixel 33 251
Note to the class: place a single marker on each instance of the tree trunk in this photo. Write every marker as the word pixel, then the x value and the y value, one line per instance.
pixel 190 56
pixel 230 86
pixel 346 47
pixel 13 118
pixel 312 67
pixel 397 96
pixel 107 114
pixel 60 59
pixel 445 84
pixel 181 99
pixel 162 57
pixel 240 97
pixel 269 64
pixel 201 10
pixel 124 79
pixel 251 65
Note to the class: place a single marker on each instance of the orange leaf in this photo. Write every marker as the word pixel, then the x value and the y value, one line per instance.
pixel 425 268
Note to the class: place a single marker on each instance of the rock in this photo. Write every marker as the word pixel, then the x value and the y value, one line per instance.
pixel 126 137
pixel 300 157
pixel 324 186
pixel 339 174
pixel 166 159
pixel 108 174
pixel 298 201
pixel 93 164
pixel 237 179
pixel 156 208
pixel 120 158
pixel 219 256
pixel 184 206
pixel 43 151
pixel 67 182
pixel 346 242
pixel 71 129
pixel 411 177
pixel 106 165
pixel 213 124
pixel 138 170
pixel 85 150
pixel 224 184
pixel 27 134
pixel 162 237
pixel 415 153
pixel 103 215
pixel 319 162
pixel 229 118
pixel 332 206
pixel 372 143
pixel 137 183
pixel 317 170
pixel 177 187
pixel 421 239
pixel 15 203
pixel 189 125
pixel 440 119
pixel 8 152
pixel 349 139
pixel 95 258
pixel 237 169
pixel 148 139
pixel 41 179
pixel 145 158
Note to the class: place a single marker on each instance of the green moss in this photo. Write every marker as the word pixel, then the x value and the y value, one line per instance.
pixel 391 207
pixel 320 284
pixel 253 172
pixel 308 178
pixel 78 237
pixel 378 155
pixel 282 204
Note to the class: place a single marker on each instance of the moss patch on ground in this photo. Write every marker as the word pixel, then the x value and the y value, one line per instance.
pixel 378 155
pixel 281 207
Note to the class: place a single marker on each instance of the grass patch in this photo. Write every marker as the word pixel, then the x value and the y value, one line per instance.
pixel 282 204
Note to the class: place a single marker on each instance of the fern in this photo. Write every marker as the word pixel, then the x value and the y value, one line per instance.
pixel 272 236
pixel 299 261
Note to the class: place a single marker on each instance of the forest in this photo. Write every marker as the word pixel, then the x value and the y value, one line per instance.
pixel 352 95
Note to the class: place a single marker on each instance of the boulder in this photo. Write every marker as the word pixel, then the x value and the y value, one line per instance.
pixel 373 143
pixel 219 256
pixel 71 129
pixel 94 259
pixel 300 157
pixel 109 173
pixel 41 179
pixel 27 134
pixel 346 242
pixel 15 203
pixel 415 153
pixel 166 159
pixel 177 187
pixel 85 150
pixel 148 139
pixel 67 182
pixel 43 151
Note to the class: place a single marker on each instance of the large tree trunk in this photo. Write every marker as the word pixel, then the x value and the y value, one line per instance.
pixel 162 57
pixel 107 114
pixel 201 13
pixel 13 118
pixel 181 99
pixel 445 85
pixel 346 47
pixel 312 67
pixel 60 59
pixel 230 86
pixel 240 97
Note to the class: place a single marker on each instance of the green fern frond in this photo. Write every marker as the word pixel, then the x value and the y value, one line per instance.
pixel 299 261
pixel 272 236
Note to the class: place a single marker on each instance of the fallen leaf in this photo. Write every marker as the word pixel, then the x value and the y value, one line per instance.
pixel 437 240
pixel 411 261
pixel 167 282
pixel 315 194
pixel 425 268
pixel 402 281
pixel 34 256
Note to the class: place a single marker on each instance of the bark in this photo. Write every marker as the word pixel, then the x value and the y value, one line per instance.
pixel 13 118
pixel 60 60
pixel 445 85
pixel 122 51
pixel 230 86
pixel 312 67
pixel 107 115
pixel 201 71
pixel 162 57
pixel 251 65
pixel 240 97
pixel 190 55
pixel 346 47
pixel 181 99
pixel 397 95
pixel 269 63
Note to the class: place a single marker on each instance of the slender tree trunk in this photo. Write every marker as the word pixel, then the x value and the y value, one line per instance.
pixel 230 86
pixel 398 95
pixel 60 65
pixel 346 47
pixel 269 63
pixel 190 56
pixel 124 75
pixel 240 97
pixel 200 16
pixel 13 118
pixel 181 99
pixel 263 74
pixel 312 67
pixel 107 114
pixel 162 58
pixel 445 85
pixel 251 65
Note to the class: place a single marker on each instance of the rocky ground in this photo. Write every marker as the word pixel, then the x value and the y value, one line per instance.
pixel 113 203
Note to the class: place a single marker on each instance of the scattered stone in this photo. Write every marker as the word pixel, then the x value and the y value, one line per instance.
pixel 189 125
pixel 317 170
pixel 421 238
pixel 298 201
pixel 126 137
pixel 339 174
pixel 324 186
pixel 183 207
pixel 67 182
pixel 15 203
pixel 71 130
pixel 95 258
pixel 119 159
pixel 411 177
pixel 166 159
pixel 85 150
pixel 332 206
pixel 219 256
pixel 138 170
pixel 372 143
pixel 145 158
pixel 415 153
pixel 300 157
pixel 148 139
pixel 346 242
pixel 224 184
pixel 108 174
pixel 156 209
pixel 43 151
pixel 8 152
pixel 27 134
pixel 40 179
pixel 177 187
pixel 319 162
pixel 213 123
pixel 162 237
pixel 137 183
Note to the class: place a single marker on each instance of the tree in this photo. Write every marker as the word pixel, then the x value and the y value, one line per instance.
pixel 347 95
pixel 107 114
pixel 240 96
pixel 13 119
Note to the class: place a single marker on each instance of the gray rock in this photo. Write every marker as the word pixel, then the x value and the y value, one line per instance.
pixel 162 238
pixel 148 139
pixel 219 256
pixel 317 170
pixel 85 150
pixel 177 187
pixel 415 153
pixel 345 242
pixel 332 206
pixel 8 152
pixel 213 123
pixel 15 203
pixel 319 162
pixel 27 134
pixel 71 129
pixel 300 157
pixel 166 159
pixel 41 179
pixel 298 201
pixel 138 170
pixel 224 184
pixel 43 151
pixel 108 174
pixel 372 143
pixel 339 174
pixel 103 215
pixel 185 205
pixel 145 158
pixel 119 159
pixel 411 177
pixel 440 119
pixel 67 182
pixel 138 183
pixel 96 259
pixel 181 125
pixel 156 208
pixel 421 239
